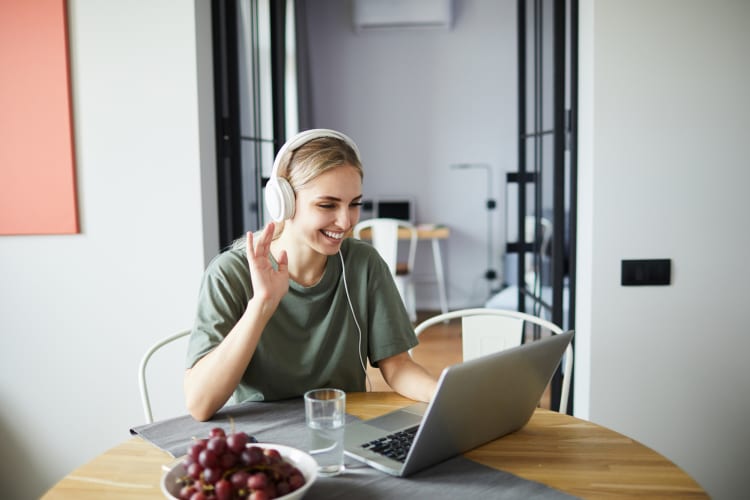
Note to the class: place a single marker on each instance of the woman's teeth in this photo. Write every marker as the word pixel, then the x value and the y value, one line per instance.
pixel 336 236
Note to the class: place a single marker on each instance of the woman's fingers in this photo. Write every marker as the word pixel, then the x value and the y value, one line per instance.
pixel 263 247
pixel 250 245
pixel 283 262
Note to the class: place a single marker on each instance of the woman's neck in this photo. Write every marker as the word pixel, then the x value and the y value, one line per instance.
pixel 306 266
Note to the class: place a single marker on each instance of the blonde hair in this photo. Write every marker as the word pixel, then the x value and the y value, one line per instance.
pixel 316 157
pixel 307 162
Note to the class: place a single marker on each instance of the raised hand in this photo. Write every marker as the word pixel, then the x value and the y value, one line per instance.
pixel 269 284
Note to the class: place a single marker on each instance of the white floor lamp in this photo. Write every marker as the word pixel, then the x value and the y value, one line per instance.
pixel 491 274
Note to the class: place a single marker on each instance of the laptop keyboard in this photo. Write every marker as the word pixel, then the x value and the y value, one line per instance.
pixel 395 446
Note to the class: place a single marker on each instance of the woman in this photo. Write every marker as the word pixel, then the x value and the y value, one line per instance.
pixel 299 305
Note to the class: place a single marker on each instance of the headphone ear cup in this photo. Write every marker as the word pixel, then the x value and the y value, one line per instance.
pixel 287 196
pixel 279 199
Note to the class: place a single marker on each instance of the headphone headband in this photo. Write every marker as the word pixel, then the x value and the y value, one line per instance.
pixel 303 138
pixel 279 193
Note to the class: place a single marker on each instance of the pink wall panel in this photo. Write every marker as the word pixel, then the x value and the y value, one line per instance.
pixel 37 160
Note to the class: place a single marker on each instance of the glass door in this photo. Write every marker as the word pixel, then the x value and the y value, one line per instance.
pixel 255 85
pixel 542 190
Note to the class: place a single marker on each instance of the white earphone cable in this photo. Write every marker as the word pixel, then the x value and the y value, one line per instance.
pixel 354 315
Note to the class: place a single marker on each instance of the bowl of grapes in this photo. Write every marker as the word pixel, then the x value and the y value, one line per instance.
pixel 234 466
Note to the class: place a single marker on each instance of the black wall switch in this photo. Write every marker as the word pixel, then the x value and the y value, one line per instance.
pixel 646 272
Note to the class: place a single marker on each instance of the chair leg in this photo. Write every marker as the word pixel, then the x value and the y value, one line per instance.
pixel 406 290
pixel 411 302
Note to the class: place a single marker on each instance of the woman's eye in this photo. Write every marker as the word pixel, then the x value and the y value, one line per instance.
pixel 357 204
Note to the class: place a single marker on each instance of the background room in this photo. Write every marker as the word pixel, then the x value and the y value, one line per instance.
pixel 417 104
pixel 663 170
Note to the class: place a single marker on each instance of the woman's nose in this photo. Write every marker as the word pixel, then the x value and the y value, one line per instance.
pixel 343 218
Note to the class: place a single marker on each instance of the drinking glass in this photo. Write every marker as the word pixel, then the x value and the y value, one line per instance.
pixel 325 411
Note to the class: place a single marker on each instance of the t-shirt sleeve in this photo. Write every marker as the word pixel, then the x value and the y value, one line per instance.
pixel 223 296
pixel 389 327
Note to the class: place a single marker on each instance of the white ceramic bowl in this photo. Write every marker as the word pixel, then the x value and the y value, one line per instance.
pixel 304 462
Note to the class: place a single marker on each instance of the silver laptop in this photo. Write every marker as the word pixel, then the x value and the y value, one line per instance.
pixel 476 402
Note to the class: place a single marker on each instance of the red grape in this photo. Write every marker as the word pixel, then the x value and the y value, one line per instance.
pixel 196 448
pixel 271 490
pixel 282 488
pixel 237 441
pixel 212 475
pixel 258 495
pixel 239 479
pixel 194 470
pixel 273 454
pixel 207 458
pixel 217 432
pixel 296 481
pixel 227 460
pixel 257 481
pixel 187 491
pixel 223 489
pixel 252 456
pixel 217 444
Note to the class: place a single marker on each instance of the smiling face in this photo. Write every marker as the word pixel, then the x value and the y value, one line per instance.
pixel 326 209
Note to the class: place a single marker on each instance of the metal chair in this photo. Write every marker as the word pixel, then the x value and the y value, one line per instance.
pixel 142 384
pixel 490 330
pixel 542 235
pixel 384 235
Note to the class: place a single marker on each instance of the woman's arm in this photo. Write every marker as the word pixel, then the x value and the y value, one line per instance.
pixel 407 377
pixel 212 380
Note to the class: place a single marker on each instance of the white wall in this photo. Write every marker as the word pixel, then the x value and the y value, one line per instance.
pixel 417 101
pixel 664 173
pixel 77 312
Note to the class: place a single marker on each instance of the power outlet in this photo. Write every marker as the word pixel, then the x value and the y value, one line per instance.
pixel 646 272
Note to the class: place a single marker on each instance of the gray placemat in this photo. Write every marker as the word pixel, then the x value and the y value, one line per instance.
pixel 283 422
pixel 458 477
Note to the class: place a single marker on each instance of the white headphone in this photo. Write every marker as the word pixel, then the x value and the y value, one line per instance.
pixel 279 194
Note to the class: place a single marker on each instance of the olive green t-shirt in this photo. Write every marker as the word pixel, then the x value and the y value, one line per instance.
pixel 312 339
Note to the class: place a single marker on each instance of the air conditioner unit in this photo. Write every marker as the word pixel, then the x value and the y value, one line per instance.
pixel 378 14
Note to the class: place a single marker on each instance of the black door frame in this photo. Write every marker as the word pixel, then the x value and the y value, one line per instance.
pixel 564 71
pixel 229 137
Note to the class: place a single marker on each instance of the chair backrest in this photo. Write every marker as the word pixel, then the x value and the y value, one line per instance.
pixel 533 277
pixel 142 383
pixel 384 234
pixel 486 330
pixel 545 231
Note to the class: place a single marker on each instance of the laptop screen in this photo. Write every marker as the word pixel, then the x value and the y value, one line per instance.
pixel 396 209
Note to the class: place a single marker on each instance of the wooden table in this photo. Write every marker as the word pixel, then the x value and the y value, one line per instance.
pixel 564 452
